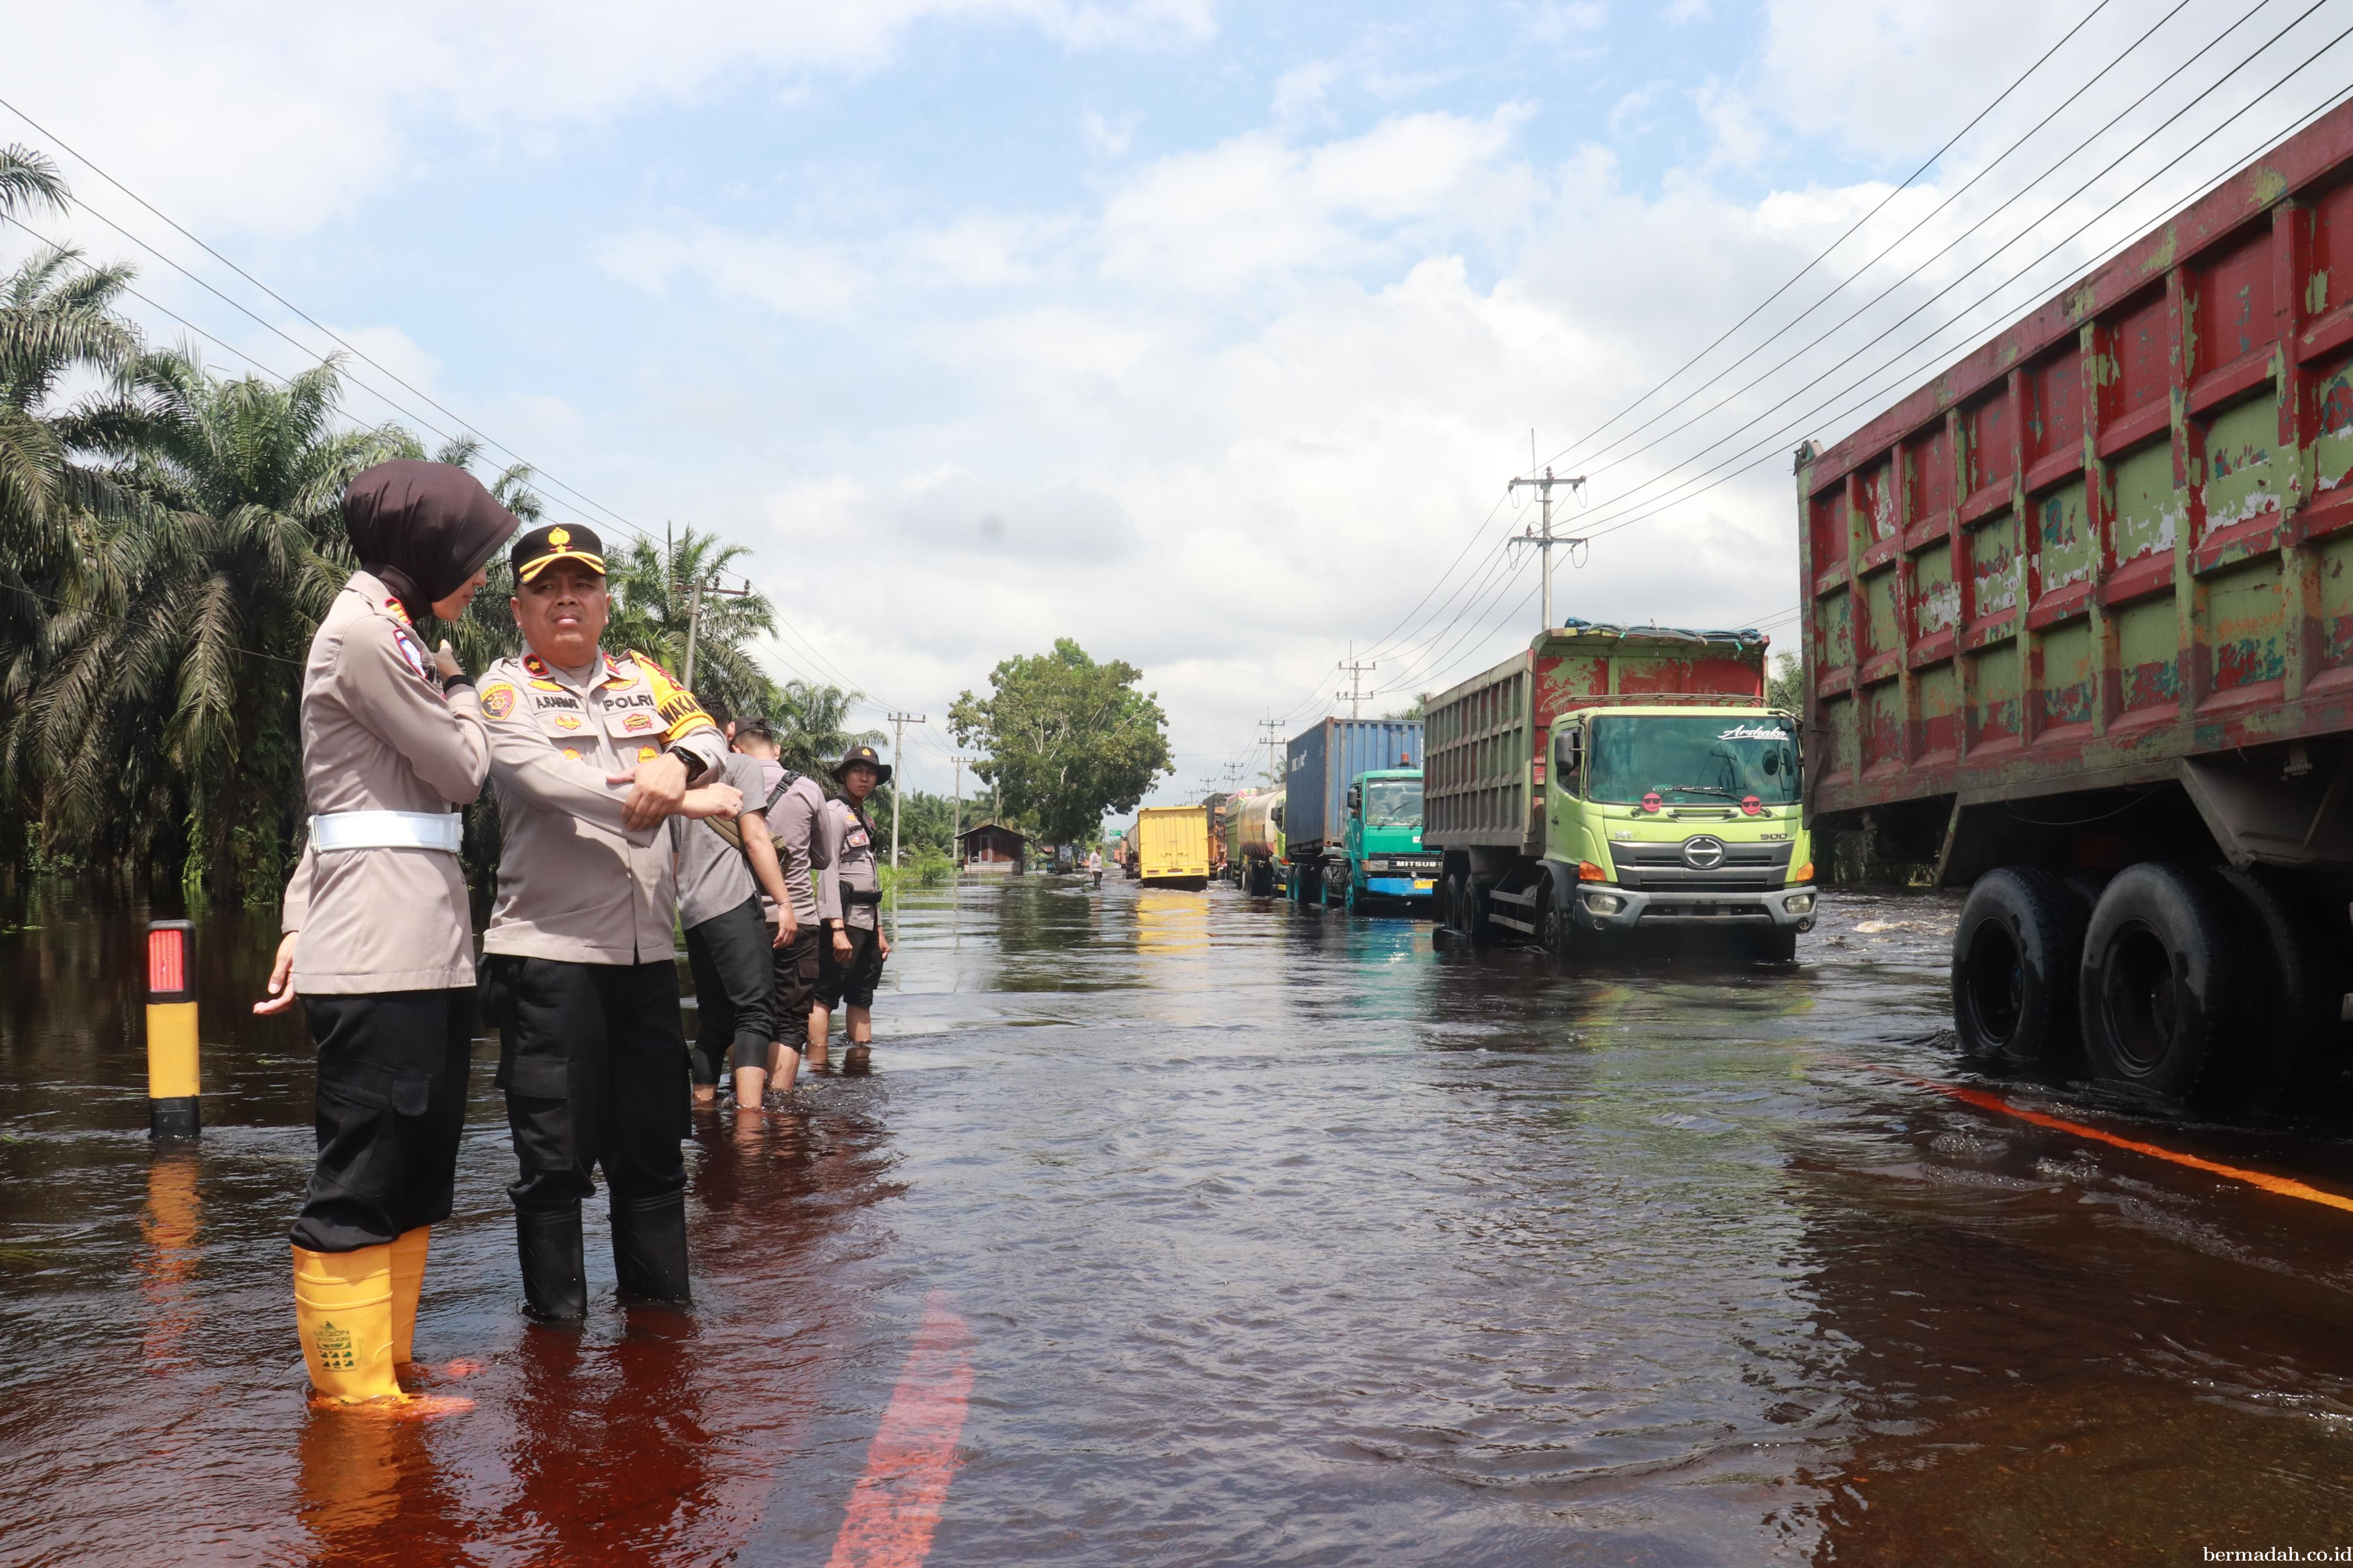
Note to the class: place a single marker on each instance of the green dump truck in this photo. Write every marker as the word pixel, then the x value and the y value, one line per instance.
pixel 1620 780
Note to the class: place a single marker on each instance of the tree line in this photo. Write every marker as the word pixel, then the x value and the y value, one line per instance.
pixel 170 538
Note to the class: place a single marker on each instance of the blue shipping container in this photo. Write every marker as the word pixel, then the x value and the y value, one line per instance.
pixel 1322 763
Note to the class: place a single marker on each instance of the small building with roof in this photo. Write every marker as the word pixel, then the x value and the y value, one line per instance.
pixel 993 846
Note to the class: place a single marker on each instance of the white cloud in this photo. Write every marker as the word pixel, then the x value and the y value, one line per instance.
pixel 1109 138
pixel 1681 10
pixel 306 112
pixel 1556 21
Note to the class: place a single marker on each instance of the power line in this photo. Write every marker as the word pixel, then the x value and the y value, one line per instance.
pixel 1987 259
pixel 1824 254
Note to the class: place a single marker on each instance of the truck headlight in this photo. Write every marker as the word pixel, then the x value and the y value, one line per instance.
pixel 1799 903
pixel 1604 903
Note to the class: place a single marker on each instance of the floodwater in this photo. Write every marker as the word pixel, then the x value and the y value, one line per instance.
pixel 1185 1229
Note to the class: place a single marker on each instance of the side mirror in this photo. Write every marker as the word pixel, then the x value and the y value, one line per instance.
pixel 1567 755
pixel 1356 798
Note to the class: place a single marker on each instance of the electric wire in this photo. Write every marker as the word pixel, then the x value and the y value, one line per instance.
pixel 1990 258
pixel 1853 228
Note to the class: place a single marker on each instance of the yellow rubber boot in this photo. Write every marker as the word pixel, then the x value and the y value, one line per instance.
pixel 343 1305
pixel 408 1280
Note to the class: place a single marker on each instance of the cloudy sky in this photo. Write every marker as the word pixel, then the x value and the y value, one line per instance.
pixel 1207 335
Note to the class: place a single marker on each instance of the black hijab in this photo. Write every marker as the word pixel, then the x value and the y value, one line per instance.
pixel 423 529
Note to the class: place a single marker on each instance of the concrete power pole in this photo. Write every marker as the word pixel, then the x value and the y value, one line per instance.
pixel 956 823
pixel 1544 542
pixel 1354 695
pixel 899 722
pixel 1275 770
pixel 694 620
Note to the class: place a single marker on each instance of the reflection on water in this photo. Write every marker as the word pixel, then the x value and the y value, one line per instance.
pixel 1282 1238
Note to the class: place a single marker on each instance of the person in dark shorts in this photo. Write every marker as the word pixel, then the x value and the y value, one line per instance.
pixel 851 958
pixel 795 807
pixel 723 866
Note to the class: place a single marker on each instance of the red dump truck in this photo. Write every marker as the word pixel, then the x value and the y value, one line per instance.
pixel 2079 631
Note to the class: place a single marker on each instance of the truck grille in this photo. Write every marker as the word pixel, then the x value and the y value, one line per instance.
pixel 1744 868
pixel 1414 865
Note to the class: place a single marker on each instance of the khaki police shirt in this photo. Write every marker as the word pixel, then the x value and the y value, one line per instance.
pixel 797 823
pixel 574 884
pixel 378 735
pixel 851 864
pixel 714 875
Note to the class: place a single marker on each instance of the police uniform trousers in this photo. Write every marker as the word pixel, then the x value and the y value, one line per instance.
pixel 797 964
pixel 851 979
pixel 391 1104
pixel 734 990
pixel 593 1062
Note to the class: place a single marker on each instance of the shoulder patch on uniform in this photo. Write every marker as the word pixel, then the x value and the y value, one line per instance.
pixel 412 652
pixel 397 611
pixel 498 700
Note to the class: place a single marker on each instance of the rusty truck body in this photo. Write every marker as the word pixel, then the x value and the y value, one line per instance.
pixel 2079 632
pixel 1618 779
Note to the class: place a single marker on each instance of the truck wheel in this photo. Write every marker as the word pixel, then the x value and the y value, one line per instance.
pixel 1353 899
pixel 1773 945
pixel 2016 955
pixel 1481 931
pixel 2164 977
pixel 1557 933
pixel 2302 979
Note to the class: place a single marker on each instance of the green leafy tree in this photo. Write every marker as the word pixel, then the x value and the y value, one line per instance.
pixel 1786 688
pixel 813 730
pixel 1068 738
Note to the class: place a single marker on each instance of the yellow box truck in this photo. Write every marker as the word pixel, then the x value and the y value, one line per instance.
pixel 1172 846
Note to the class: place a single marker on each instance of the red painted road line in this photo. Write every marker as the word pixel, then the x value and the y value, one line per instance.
pixel 2285 1186
pixel 895 1505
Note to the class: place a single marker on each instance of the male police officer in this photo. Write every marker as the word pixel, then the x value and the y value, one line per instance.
pixel 851 905
pixel 377 945
pixel 722 869
pixel 579 970
pixel 795 814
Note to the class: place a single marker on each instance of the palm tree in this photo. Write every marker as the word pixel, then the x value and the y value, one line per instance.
pixel 654 598
pixel 812 726
pixel 196 663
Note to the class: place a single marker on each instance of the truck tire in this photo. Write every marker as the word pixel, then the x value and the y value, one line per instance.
pixel 2017 954
pixel 2166 981
pixel 1353 901
pixel 1557 931
pixel 2302 979
pixel 1475 923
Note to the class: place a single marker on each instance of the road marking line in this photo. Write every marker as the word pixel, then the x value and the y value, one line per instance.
pixel 2285 1186
pixel 895 1505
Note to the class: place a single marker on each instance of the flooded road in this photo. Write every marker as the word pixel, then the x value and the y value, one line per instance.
pixel 1185 1229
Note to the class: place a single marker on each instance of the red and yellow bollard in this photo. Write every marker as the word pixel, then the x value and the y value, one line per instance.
pixel 172 1087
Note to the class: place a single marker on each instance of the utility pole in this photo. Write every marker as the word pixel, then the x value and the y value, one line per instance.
pixel 1545 541
pixel 1274 728
pixel 694 620
pixel 1354 695
pixel 956 829
pixel 899 722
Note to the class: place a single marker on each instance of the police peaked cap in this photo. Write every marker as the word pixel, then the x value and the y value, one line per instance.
pixel 543 547
pixel 866 754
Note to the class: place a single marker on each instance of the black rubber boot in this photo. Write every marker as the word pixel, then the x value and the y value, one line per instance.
pixel 649 1247
pixel 554 1275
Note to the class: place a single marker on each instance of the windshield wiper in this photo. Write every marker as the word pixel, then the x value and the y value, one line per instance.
pixel 1700 789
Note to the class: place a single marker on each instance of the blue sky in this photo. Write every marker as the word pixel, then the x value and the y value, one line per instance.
pixel 1205 333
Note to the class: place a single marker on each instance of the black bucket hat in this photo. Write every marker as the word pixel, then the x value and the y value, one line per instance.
pixel 866 754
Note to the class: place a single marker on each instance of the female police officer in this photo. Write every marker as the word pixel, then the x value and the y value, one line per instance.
pixel 377 942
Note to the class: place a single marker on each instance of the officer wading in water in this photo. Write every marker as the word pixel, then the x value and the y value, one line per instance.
pixel 849 904
pixel 377 941
pixel 590 755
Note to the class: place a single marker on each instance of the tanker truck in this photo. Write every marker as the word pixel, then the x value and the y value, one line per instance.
pixel 1258 843
pixel 2079 637
pixel 1619 782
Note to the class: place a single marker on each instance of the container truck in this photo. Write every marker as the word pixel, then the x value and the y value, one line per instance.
pixel 1172 846
pixel 1320 765
pixel 1620 779
pixel 2079 633
pixel 1257 842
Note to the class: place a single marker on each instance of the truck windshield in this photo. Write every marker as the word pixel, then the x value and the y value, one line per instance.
pixel 1691 758
pixel 1393 803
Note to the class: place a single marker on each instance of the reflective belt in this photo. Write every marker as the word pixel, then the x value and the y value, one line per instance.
pixel 388 830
